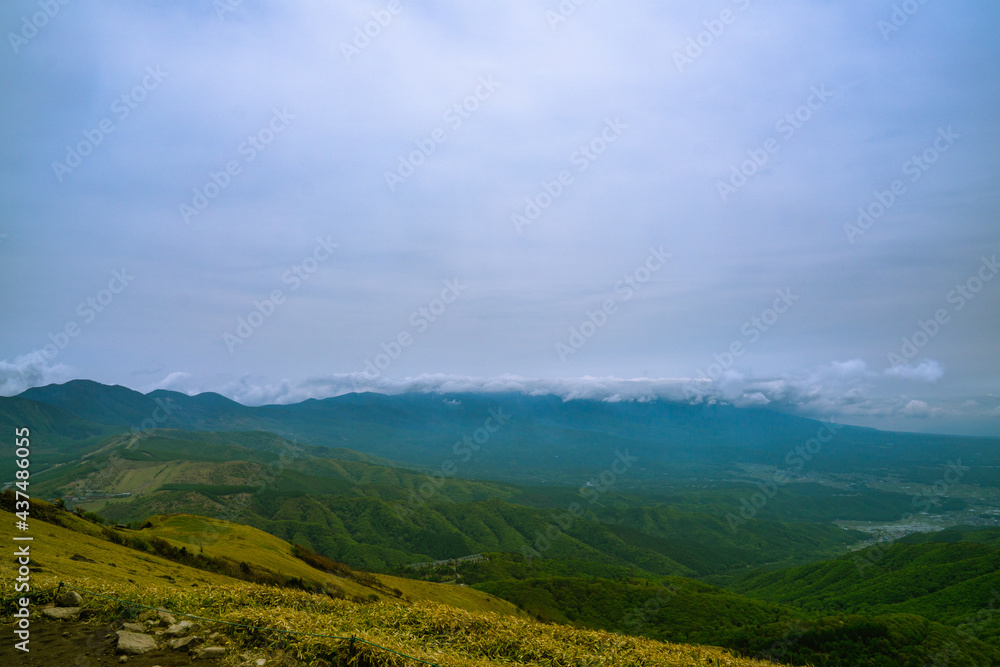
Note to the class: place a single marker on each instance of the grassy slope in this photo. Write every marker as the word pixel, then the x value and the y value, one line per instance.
pixel 243 543
pixel 424 629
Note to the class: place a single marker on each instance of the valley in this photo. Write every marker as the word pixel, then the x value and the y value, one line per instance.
pixel 803 564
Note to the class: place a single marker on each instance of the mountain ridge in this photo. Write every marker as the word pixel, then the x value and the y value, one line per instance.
pixel 580 436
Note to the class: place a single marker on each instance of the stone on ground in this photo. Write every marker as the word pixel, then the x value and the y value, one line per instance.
pixel 134 643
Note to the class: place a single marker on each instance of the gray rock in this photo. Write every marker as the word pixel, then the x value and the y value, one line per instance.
pixel 134 627
pixel 210 652
pixel 177 629
pixel 182 643
pixel 62 613
pixel 134 643
pixel 166 618
pixel 124 658
pixel 69 599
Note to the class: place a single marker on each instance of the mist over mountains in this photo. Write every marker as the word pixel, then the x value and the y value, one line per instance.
pixel 542 438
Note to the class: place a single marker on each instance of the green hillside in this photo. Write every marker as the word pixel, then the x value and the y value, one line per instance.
pixel 445 625
pixel 56 436
pixel 373 516
pixel 676 609
pixel 955 581
pixel 671 609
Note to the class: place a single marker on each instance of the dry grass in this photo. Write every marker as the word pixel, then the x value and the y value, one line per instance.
pixel 428 630
pixel 432 632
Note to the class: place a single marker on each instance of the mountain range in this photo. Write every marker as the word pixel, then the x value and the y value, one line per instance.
pixel 736 527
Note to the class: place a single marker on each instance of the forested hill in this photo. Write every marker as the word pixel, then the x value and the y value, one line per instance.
pixel 539 439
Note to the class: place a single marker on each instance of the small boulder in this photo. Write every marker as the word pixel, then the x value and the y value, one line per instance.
pixel 62 613
pixel 134 627
pixel 166 618
pixel 182 643
pixel 69 599
pixel 134 643
pixel 210 652
pixel 177 629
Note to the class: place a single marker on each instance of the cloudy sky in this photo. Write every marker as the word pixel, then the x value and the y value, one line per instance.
pixel 785 204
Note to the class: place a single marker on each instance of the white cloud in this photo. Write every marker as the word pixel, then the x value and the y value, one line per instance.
pixel 30 370
pixel 838 389
pixel 918 409
pixel 177 381
pixel 926 370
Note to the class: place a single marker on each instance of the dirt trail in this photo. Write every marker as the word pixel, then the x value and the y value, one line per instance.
pixel 75 644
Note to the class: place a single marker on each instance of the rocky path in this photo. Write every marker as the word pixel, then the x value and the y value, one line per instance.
pixel 156 639
pixel 78 644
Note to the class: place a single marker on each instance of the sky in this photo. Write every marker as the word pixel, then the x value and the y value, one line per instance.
pixel 791 205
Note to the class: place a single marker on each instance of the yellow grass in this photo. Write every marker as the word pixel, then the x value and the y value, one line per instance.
pixel 423 628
